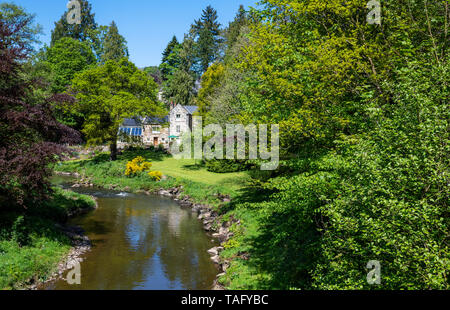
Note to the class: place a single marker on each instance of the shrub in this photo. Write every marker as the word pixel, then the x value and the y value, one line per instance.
pixel 225 165
pixel 137 166
pixel 156 175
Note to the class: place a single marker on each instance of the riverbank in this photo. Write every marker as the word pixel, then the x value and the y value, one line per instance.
pixel 35 244
pixel 209 200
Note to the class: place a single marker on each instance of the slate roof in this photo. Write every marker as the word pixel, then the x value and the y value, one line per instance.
pixel 149 120
pixel 191 108
pixel 131 122
pixel 156 120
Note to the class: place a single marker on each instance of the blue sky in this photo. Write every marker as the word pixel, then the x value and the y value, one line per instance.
pixel 147 25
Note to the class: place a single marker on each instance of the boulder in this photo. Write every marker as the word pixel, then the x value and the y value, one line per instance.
pixel 213 251
pixel 215 259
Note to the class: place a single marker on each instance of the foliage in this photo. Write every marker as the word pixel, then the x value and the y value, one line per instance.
pixel 30 137
pixel 110 93
pixel 80 32
pixel 155 73
pixel 207 35
pixel 211 80
pixel 137 166
pixel 393 205
pixel 114 45
pixel 171 59
pixel 226 166
pixel 30 244
pixel 66 58
pixel 156 175
pixel 180 88
pixel 233 31
pixel 363 111
pixel 28 34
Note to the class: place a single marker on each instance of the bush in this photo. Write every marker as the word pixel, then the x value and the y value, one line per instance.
pixel 156 175
pixel 393 204
pixel 225 165
pixel 137 166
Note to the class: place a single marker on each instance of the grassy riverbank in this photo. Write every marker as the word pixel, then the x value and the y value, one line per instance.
pixel 31 245
pixel 200 184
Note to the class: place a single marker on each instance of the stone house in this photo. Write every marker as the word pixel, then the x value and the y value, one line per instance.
pixel 155 131
pixel 181 120
pixel 147 131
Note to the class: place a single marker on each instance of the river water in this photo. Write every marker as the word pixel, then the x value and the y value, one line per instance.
pixel 141 242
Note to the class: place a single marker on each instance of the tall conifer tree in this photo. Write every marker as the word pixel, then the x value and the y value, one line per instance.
pixel 114 45
pixel 207 31
pixel 81 32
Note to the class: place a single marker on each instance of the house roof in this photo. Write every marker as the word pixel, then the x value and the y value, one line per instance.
pixel 131 122
pixel 191 108
pixel 148 120
pixel 155 120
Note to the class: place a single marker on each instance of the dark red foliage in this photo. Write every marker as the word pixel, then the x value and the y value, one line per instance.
pixel 30 137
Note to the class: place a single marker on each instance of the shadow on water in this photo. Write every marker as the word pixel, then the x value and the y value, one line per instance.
pixel 142 242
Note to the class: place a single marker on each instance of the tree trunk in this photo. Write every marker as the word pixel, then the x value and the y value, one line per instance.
pixel 113 149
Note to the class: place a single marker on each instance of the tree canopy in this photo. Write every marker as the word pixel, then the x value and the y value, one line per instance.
pixel 67 57
pixel 81 32
pixel 114 45
pixel 30 137
pixel 108 94
pixel 207 34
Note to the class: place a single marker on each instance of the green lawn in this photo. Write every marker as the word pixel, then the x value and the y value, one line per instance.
pixel 187 169
pixel 198 183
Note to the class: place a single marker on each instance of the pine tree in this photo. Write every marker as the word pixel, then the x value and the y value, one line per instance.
pixel 170 59
pixel 234 29
pixel 114 45
pixel 81 32
pixel 207 31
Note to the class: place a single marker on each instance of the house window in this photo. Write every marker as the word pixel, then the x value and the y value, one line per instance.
pixel 178 116
pixel 156 129
pixel 178 128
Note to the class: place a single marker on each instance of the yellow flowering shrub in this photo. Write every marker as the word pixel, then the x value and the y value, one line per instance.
pixel 136 166
pixel 156 175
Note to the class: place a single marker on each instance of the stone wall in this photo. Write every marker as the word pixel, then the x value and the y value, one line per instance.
pixel 149 136
pixel 183 121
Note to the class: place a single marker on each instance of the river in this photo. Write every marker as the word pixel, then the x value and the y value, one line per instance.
pixel 141 242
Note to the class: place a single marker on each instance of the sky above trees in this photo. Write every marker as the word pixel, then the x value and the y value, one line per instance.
pixel 146 25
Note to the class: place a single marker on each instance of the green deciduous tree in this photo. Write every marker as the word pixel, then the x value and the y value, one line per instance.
pixel 16 15
pixel 211 81
pixel 67 57
pixel 363 111
pixel 110 93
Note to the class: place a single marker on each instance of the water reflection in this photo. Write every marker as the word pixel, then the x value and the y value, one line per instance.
pixel 142 242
